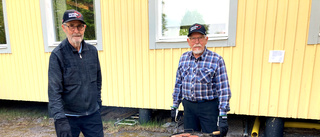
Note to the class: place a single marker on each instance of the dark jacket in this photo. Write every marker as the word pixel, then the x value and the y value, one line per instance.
pixel 74 80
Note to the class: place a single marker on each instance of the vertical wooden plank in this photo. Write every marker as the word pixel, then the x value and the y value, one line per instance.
pixel 18 53
pixel 288 62
pixel 277 67
pixel 3 72
pixel 258 54
pixel 283 90
pixel 113 41
pixel 298 54
pixel 39 67
pixel 168 81
pixel 27 58
pixel 43 59
pixel 176 54
pixel 314 102
pixel 146 58
pixel 159 78
pixel 139 37
pixel 266 69
pixel 246 90
pixel 103 60
pixel 307 60
pixel 32 70
pixel 235 101
pixel 153 89
pixel 128 70
pixel 132 49
pixel 306 82
pixel 107 98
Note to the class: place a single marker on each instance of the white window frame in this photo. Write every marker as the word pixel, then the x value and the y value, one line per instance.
pixel 230 40
pixel 314 26
pixel 48 31
pixel 5 48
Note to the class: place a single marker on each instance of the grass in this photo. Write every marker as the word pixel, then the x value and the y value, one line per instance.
pixel 21 113
pixel 153 126
pixel 27 113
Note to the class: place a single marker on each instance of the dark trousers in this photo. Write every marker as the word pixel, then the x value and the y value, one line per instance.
pixel 201 116
pixel 90 126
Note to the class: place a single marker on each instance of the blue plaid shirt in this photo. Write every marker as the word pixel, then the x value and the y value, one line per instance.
pixel 204 78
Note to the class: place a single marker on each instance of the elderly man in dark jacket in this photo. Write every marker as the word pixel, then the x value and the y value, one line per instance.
pixel 75 82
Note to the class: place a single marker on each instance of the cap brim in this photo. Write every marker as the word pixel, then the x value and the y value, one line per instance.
pixel 196 31
pixel 73 20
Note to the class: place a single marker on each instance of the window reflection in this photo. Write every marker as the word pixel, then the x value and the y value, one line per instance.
pixel 85 7
pixel 178 15
pixel 3 39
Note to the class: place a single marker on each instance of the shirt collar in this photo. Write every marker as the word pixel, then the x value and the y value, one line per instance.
pixel 80 48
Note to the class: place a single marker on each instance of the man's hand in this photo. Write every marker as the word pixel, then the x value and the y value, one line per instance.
pixel 173 114
pixel 223 125
pixel 62 127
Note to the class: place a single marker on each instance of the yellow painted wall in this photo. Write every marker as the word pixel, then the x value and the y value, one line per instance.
pixel 135 76
pixel 24 72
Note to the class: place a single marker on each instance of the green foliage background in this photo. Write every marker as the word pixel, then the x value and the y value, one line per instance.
pixel 85 7
pixel 2 27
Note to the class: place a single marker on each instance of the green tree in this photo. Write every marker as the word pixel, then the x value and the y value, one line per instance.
pixel 59 7
pixel 2 27
pixel 85 7
pixel 164 21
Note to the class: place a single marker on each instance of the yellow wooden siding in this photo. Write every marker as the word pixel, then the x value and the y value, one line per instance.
pixel 24 71
pixel 135 76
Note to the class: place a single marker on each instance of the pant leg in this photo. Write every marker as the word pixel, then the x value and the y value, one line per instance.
pixel 208 115
pixel 74 125
pixel 91 126
pixel 190 120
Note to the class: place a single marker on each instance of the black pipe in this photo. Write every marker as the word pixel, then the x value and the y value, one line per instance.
pixel 144 115
pixel 274 127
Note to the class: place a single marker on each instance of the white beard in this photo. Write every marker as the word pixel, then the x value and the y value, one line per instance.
pixel 197 51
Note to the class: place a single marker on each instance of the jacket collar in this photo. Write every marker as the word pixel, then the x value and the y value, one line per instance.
pixel 83 44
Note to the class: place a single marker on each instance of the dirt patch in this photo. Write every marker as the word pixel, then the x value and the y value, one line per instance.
pixel 117 113
pixel 30 119
pixel 26 127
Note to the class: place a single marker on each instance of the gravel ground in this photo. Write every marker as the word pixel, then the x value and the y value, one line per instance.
pixel 30 119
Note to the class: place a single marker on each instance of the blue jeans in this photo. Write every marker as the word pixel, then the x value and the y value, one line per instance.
pixel 90 126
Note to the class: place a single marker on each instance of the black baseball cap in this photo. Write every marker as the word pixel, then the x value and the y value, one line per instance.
pixel 70 15
pixel 197 28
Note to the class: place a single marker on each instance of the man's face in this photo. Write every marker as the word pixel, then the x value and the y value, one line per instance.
pixel 197 43
pixel 74 31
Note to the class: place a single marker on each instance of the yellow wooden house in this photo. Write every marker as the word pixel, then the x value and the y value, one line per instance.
pixel 271 52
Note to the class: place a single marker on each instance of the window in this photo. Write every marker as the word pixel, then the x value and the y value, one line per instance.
pixel 51 16
pixel 169 22
pixel 314 26
pixel 4 31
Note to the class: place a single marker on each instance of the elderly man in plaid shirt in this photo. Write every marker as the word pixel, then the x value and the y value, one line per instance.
pixel 202 86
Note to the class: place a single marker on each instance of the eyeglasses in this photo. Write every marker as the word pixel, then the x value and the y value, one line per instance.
pixel 72 28
pixel 200 39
